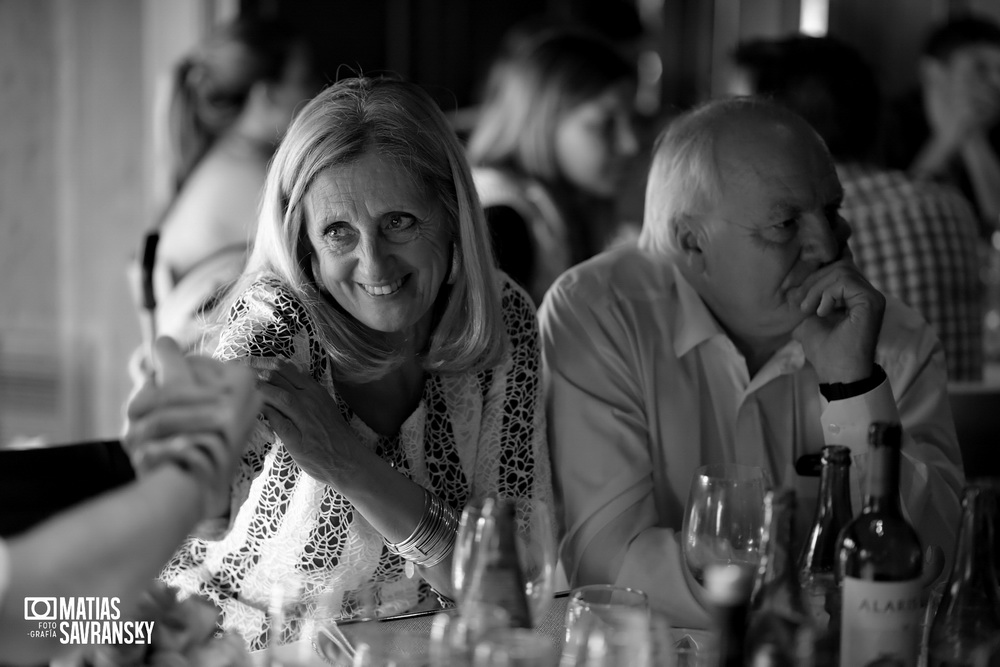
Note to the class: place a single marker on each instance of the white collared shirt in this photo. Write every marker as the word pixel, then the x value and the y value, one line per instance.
pixel 644 386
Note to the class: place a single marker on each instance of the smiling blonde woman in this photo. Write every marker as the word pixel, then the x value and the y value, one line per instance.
pixel 400 370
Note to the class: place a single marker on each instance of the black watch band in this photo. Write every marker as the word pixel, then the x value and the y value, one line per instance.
pixel 835 391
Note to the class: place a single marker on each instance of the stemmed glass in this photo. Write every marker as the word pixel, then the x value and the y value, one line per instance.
pixel 536 550
pixel 724 518
pixel 607 625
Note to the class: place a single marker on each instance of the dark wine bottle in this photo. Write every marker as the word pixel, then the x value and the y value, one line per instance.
pixel 969 613
pixel 879 563
pixel 817 562
pixel 780 628
pixel 498 578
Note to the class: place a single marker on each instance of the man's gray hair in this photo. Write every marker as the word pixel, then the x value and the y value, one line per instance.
pixel 684 177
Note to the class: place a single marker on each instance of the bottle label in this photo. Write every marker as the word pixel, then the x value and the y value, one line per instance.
pixel 880 623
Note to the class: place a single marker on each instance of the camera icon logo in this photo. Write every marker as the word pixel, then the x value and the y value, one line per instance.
pixel 40 609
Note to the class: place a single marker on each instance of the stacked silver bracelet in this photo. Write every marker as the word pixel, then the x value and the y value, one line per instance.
pixel 433 538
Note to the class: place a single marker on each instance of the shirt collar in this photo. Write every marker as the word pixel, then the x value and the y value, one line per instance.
pixel 695 325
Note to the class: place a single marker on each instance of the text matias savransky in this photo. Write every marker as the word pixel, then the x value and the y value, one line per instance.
pixel 84 621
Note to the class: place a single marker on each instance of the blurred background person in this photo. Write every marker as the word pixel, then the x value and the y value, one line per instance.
pixel 949 129
pixel 553 141
pixel 400 370
pixel 230 102
pixel 915 240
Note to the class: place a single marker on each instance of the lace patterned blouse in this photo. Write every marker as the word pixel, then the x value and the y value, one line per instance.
pixel 471 435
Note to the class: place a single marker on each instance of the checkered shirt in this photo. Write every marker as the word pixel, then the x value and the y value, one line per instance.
pixel 919 242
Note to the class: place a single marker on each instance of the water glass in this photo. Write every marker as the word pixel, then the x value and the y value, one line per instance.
pixel 536 551
pixel 454 636
pixel 380 645
pixel 607 626
pixel 514 647
pixel 724 518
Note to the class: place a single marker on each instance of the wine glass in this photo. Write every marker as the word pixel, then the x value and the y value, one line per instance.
pixel 607 626
pixel 724 518
pixel 535 543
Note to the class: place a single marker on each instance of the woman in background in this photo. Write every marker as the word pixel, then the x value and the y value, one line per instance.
pixel 230 102
pixel 400 370
pixel 550 148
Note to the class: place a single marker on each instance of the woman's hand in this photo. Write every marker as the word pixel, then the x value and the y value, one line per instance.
pixel 306 418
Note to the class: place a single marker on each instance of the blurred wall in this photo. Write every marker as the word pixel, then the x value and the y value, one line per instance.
pixel 76 88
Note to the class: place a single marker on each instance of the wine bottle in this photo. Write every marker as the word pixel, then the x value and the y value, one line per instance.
pixel 879 563
pixel 969 613
pixel 780 629
pixel 728 590
pixel 819 552
pixel 497 578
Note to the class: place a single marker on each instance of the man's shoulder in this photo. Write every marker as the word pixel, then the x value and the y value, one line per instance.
pixel 623 273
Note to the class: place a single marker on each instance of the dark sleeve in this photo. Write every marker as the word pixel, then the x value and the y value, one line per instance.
pixel 512 243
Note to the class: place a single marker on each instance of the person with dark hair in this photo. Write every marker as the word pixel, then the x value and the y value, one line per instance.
pixel 552 143
pixel 230 101
pixel 915 240
pixel 949 129
pixel 400 370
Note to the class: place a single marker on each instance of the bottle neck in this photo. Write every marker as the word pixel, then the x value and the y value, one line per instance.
pixel 833 512
pixel 835 492
pixel 882 493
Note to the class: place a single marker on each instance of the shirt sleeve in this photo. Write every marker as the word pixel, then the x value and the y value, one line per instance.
pixel 602 466
pixel 915 395
pixel 266 321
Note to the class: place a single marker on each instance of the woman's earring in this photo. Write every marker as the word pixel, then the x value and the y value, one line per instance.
pixel 456 265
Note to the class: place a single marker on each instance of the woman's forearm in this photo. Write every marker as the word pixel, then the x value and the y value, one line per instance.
pixel 392 504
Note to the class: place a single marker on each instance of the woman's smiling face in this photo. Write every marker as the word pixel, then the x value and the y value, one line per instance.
pixel 381 244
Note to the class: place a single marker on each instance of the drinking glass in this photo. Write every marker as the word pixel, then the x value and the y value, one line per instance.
pixel 514 647
pixel 607 625
pixel 379 644
pixel 454 636
pixel 724 518
pixel 536 551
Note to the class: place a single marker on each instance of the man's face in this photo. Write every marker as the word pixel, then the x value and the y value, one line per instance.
pixel 775 223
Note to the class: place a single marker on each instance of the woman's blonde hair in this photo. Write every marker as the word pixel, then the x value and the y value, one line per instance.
pixel 397 121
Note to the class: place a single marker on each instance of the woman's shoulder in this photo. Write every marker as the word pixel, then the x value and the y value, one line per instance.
pixel 267 318
pixel 268 297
